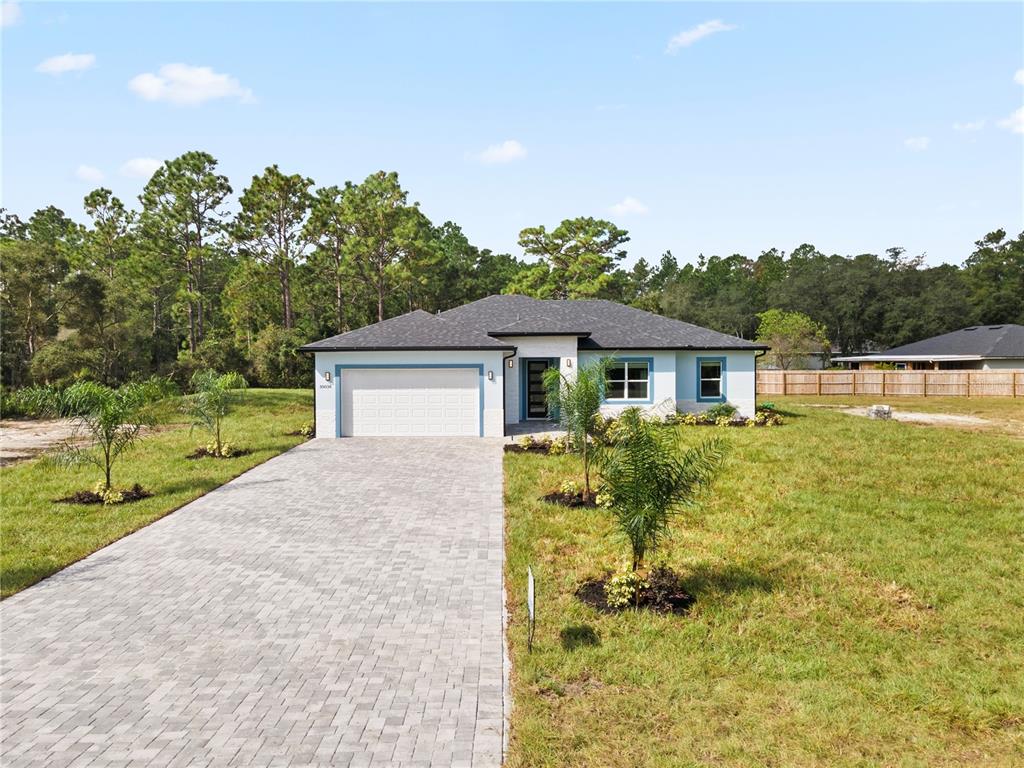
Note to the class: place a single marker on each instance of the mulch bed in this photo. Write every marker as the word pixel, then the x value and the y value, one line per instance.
pixel 513 448
pixel 202 453
pixel 664 595
pixel 135 493
pixel 572 500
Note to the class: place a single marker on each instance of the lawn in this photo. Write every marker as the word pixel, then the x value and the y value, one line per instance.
pixel 38 537
pixel 1005 414
pixel 859 603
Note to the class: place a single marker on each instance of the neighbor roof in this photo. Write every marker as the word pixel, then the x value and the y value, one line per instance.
pixel 482 324
pixel 975 342
pixel 413 330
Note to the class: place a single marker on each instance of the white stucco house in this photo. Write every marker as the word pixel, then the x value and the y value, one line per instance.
pixel 475 369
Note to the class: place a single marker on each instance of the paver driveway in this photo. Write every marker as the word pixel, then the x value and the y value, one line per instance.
pixel 339 605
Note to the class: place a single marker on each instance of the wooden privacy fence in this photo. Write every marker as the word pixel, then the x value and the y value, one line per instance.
pixel 1009 383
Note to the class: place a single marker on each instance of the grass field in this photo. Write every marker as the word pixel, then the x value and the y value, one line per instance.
pixel 859 603
pixel 38 537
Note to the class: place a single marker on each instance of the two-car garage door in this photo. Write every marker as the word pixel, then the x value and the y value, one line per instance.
pixel 410 402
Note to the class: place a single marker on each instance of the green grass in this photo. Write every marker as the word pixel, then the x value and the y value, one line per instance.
pixel 39 537
pixel 859 603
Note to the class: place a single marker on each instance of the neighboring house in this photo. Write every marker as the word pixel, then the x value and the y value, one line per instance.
pixel 477 368
pixel 980 347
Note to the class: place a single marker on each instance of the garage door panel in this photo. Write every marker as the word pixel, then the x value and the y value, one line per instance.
pixel 410 402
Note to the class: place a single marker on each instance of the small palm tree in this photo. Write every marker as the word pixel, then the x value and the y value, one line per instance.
pixel 578 402
pixel 112 418
pixel 212 399
pixel 650 480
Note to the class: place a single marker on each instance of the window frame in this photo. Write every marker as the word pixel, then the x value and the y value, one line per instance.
pixel 626 362
pixel 722 397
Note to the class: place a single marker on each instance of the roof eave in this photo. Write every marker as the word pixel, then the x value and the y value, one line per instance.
pixel 446 348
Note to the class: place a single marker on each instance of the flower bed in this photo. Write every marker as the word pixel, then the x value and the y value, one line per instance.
pixel 108 496
pixel 661 591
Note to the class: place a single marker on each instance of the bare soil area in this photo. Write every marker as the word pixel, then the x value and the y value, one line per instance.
pixel 23 439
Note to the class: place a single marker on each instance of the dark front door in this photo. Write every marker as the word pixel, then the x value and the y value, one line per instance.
pixel 536 399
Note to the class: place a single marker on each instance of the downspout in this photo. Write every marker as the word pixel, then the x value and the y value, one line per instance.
pixel 762 353
pixel 504 389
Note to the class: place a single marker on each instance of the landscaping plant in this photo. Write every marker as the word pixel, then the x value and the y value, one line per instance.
pixel 649 479
pixel 112 418
pixel 578 400
pixel 213 396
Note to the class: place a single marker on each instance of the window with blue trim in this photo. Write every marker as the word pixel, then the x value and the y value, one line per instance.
pixel 711 379
pixel 628 381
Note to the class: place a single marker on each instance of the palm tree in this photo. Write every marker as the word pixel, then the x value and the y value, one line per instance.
pixel 578 403
pixel 112 418
pixel 213 396
pixel 651 480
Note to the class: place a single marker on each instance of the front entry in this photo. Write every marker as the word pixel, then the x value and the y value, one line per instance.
pixel 536 398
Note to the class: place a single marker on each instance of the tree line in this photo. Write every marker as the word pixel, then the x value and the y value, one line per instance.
pixel 185 281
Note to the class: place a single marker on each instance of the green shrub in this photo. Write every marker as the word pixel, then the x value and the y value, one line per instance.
pixel 623 589
pixel 276 359
pixel 717 411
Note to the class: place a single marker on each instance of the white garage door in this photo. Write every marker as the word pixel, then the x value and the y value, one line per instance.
pixel 410 402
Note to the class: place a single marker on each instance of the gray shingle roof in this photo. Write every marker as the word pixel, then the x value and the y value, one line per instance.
pixel 984 340
pixel 414 330
pixel 611 326
pixel 482 324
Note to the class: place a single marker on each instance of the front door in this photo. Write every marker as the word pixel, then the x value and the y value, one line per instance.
pixel 536 398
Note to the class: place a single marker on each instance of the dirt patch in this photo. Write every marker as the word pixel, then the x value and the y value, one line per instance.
pixel 24 439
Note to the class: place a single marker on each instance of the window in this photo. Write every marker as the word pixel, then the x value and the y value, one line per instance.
pixel 628 380
pixel 710 380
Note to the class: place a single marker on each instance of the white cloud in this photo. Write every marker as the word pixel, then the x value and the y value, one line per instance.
pixel 1018 77
pixel 506 152
pixel 89 173
pixel 1014 122
pixel 66 62
pixel 140 167
pixel 917 143
pixel 627 206
pixel 185 85
pixel 10 14
pixel 969 127
pixel 688 37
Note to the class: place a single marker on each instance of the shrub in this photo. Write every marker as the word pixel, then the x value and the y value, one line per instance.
pixel 570 488
pixel 557 446
pixel 717 411
pixel 307 429
pixel 623 589
pixel 276 359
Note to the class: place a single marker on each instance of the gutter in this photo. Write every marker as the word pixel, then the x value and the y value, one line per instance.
pixel 504 389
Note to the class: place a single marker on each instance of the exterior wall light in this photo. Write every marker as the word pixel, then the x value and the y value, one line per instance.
pixel 510 361
pixel 490 375
pixel 568 362
pixel 327 375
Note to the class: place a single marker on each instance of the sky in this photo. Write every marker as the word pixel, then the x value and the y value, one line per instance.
pixel 714 129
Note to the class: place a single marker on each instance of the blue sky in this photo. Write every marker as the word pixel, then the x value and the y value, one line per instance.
pixel 851 126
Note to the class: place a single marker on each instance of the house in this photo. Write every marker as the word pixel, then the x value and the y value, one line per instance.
pixel 475 369
pixel 979 347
